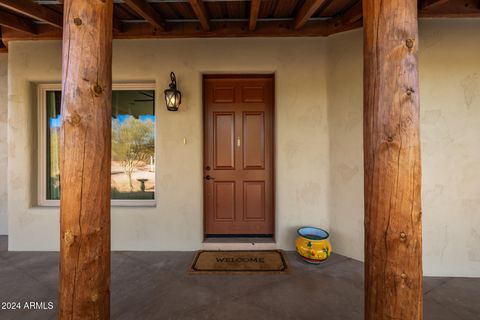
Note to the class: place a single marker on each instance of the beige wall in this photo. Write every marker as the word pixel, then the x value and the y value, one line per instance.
pixel 450 133
pixel 176 223
pixel 3 143
pixel 345 119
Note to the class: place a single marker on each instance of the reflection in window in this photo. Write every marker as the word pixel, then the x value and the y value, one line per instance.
pixel 133 144
pixel 53 144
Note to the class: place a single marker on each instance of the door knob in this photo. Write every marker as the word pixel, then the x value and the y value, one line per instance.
pixel 209 178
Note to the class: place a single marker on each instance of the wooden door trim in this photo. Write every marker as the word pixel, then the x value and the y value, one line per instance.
pixel 206 76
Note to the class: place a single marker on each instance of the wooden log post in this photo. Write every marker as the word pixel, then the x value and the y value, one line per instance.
pixel 393 230
pixel 85 160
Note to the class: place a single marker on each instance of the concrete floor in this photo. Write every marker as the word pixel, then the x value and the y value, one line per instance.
pixel 156 285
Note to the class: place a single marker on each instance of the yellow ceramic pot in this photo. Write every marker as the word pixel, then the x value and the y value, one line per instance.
pixel 312 244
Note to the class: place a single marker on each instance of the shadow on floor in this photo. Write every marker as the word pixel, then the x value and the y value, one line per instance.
pixel 156 285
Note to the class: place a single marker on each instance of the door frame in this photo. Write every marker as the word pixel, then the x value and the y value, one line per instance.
pixel 274 157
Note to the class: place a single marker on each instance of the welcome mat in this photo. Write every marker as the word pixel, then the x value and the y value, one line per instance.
pixel 251 261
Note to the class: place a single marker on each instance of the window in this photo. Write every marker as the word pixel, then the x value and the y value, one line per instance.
pixel 133 144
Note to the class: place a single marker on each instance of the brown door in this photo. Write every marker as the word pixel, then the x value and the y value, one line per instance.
pixel 238 168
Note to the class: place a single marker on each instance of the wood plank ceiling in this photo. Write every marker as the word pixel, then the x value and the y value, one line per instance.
pixel 42 19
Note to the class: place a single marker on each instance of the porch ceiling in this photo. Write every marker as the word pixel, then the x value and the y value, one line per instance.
pixel 133 19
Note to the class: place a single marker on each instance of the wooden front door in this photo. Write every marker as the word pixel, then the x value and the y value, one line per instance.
pixel 238 165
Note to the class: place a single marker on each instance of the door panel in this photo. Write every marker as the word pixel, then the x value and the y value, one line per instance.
pixel 253 140
pixel 254 200
pixel 238 149
pixel 253 94
pixel 222 94
pixel 224 200
pixel 224 135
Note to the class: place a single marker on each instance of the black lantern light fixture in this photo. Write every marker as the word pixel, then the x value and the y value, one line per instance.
pixel 173 97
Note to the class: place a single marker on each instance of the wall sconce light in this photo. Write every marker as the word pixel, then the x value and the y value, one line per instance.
pixel 173 97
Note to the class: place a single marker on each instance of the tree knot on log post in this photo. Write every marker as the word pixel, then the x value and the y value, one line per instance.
pixel 97 89
pixel 94 297
pixel 74 119
pixel 410 91
pixel 404 276
pixel 409 43
pixel 69 238
pixel 77 21
pixel 403 236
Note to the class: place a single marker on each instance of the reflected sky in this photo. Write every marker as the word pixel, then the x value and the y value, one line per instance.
pixel 57 123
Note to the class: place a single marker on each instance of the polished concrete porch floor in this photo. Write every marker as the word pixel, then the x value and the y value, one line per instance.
pixel 156 285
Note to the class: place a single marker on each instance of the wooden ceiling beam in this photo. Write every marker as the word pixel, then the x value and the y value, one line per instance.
pixel 146 11
pixel 336 27
pixel 450 9
pixel 117 25
pixel 425 4
pixel 352 15
pixel 17 23
pixel 254 10
pixel 34 11
pixel 188 30
pixel 428 9
pixel 3 47
pixel 199 8
pixel 225 30
pixel 306 12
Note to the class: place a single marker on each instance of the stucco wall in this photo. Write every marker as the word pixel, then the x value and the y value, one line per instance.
pixel 177 221
pixel 450 134
pixel 345 118
pixel 3 143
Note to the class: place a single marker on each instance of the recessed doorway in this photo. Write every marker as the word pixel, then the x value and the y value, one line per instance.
pixel 238 155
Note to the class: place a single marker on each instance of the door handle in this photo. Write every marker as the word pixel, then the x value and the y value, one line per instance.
pixel 209 178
